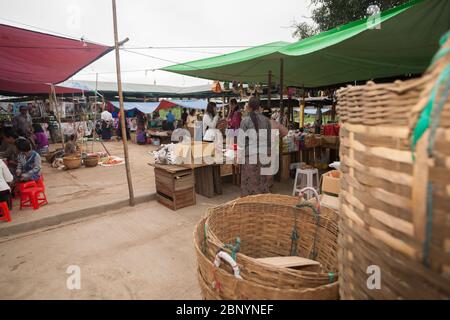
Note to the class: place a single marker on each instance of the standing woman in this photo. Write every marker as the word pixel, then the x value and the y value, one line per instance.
pixel 233 121
pixel 190 122
pixel 210 119
pixel 252 181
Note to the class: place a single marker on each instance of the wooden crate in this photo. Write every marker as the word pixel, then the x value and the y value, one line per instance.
pixel 174 186
pixel 169 180
pixel 178 199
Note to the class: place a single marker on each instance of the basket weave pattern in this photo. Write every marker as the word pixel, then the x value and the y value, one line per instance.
pixel 384 192
pixel 264 224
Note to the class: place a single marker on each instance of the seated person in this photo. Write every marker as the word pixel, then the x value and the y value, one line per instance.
pixel 70 146
pixel 28 162
pixel 9 138
pixel 5 179
pixel 40 139
pixel 3 144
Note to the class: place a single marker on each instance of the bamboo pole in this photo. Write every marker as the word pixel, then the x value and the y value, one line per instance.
pixel 122 112
pixel 302 110
pixel 269 84
pixel 58 113
pixel 281 87
pixel 94 113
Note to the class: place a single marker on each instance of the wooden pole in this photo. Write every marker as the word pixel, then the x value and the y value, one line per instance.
pixel 95 112
pixel 58 113
pixel 269 94
pixel 281 87
pixel 333 112
pixel 302 110
pixel 122 112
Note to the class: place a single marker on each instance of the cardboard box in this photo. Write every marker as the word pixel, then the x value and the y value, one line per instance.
pixel 331 182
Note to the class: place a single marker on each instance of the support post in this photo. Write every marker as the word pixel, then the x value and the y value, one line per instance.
pixel 58 110
pixel 122 112
pixel 281 87
pixel 302 110
pixel 269 94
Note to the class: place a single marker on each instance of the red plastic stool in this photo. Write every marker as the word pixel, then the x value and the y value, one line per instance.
pixel 4 212
pixel 32 195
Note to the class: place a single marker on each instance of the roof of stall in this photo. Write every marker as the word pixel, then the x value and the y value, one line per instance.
pixel 144 107
pixel 139 89
pixel 31 61
pixel 399 41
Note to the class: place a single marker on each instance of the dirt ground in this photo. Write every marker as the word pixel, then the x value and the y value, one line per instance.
pixel 71 190
pixel 145 252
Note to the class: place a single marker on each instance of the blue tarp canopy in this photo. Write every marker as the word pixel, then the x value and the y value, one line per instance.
pixel 144 107
pixel 191 104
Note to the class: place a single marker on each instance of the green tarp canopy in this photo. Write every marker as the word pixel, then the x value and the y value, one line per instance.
pixel 400 41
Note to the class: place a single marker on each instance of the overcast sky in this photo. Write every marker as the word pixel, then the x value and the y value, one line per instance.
pixel 160 23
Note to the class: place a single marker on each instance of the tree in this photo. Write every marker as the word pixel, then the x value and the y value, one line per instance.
pixel 328 14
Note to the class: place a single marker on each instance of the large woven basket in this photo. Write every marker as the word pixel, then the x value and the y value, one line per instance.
pixel 264 224
pixel 395 202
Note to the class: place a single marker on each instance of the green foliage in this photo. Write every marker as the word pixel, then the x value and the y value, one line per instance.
pixel 328 14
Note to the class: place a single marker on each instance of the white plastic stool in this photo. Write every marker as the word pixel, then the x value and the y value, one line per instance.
pixel 308 175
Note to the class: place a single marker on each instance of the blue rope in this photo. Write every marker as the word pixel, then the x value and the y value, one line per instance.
pixel 434 123
pixel 438 106
pixel 234 248
pixel 331 277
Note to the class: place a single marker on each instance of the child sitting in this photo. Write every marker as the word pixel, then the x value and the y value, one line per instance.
pixel 40 139
pixel 71 146
pixel 28 162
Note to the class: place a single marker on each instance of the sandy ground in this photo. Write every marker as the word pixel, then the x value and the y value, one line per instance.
pixel 71 190
pixel 145 252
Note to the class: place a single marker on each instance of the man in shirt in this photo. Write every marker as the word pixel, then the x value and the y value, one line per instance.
pixel 170 120
pixel 22 123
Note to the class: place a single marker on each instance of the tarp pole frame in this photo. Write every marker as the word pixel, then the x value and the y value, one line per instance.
pixel 302 109
pixel 54 99
pixel 269 84
pixel 122 112
pixel 281 88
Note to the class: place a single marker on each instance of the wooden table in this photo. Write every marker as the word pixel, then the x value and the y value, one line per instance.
pixel 208 181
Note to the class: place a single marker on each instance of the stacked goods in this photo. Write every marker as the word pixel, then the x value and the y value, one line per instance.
pixel 277 249
pixel 395 190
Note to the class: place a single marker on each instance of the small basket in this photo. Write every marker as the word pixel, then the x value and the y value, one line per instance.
pixel 72 162
pixel 91 161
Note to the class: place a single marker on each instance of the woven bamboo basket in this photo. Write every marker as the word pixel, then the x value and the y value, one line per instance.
pixel 72 162
pixel 395 202
pixel 91 161
pixel 264 224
